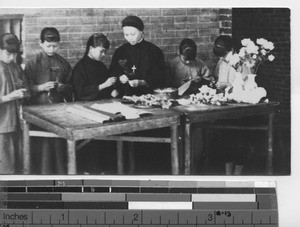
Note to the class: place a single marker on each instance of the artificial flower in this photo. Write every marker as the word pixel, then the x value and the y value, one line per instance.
pixel 271 57
pixel 253 54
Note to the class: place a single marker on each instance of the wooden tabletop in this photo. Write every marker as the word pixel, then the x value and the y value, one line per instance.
pixel 54 118
pixel 201 113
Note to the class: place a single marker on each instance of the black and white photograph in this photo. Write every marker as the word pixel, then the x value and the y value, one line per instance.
pixel 145 91
pixel 175 94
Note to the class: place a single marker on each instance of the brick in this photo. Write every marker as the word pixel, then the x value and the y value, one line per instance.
pixel 198 26
pixel 225 17
pixel 149 12
pixel 44 12
pixel 88 12
pixel 224 24
pixel 170 49
pixel 180 19
pixel 31 38
pixel 174 12
pixel 33 29
pixel 113 35
pixel 194 11
pixel 90 29
pixel 30 21
pixel 187 33
pixel 171 41
pixel 73 12
pixel 180 26
pixel 110 20
pixel 225 11
pixel 157 42
pixel 162 20
pixel 75 53
pixel 202 39
pixel 70 29
pixel 71 45
pixel 163 34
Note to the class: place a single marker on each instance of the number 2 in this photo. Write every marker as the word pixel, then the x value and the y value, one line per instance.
pixel 135 217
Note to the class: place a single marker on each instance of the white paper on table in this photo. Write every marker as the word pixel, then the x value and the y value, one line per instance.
pixel 88 114
pixel 117 107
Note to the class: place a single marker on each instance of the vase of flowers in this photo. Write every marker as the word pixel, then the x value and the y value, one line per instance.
pixel 250 83
pixel 246 62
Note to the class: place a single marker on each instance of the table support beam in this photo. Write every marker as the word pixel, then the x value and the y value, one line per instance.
pixel 187 149
pixel 26 149
pixel 120 157
pixel 174 150
pixel 72 169
pixel 270 144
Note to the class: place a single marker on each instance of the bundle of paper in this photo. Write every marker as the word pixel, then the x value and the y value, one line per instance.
pixel 119 108
pixel 88 113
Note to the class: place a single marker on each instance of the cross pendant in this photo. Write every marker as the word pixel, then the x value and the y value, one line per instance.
pixel 133 69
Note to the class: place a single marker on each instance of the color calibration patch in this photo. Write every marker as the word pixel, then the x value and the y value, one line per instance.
pixel 134 203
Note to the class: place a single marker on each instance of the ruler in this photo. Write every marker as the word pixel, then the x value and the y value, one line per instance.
pixel 138 203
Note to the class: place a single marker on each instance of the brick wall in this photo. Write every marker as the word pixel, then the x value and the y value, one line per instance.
pixel 164 27
pixel 272 24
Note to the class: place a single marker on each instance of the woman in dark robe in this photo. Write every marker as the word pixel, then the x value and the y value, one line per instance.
pixel 139 64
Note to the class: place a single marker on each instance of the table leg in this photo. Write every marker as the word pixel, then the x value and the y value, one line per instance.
pixel 270 144
pixel 72 169
pixel 131 154
pixel 120 157
pixel 174 149
pixel 187 149
pixel 26 149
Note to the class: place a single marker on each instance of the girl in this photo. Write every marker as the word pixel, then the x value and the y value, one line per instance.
pixel 11 91
pixel 187 66
pixel 48 75
pixel 224 72
pixel 90 77
pixel 233 144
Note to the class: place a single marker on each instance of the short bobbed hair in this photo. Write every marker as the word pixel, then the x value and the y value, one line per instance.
pixel 50 34
pixel 222 45
pixel 188 49
pixel 96 40
pixel 10 43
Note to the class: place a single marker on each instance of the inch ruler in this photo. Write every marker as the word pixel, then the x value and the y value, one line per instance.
pixel 133 203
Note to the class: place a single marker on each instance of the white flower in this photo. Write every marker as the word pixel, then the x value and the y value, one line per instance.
pixel 249 64
pixel 269 46
pixel 261 41
pixel 245 42
pixel 263 52
pixel 271 57
pixel 242 52
pixel 252 48
pixel 254 56
pixel 234 59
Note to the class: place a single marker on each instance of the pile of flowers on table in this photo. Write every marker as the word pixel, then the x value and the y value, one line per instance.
pixel 243 89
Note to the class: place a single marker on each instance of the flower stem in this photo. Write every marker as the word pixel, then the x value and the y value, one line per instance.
pixel 256 69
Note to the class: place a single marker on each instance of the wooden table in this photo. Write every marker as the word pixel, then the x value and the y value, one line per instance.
pixel 200 114
pixel 55 119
